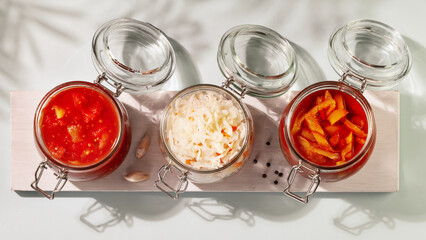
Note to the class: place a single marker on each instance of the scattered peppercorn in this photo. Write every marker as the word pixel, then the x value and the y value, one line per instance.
pixel 264 175
pixel 268 164
pixel 281 174
pixel 268 143
pixel 255 160
pixel 275 182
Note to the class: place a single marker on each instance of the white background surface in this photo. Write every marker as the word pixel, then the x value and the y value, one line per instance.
pixel 45 43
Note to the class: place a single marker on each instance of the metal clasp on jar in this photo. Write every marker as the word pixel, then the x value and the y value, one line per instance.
pixel 232 85
pixel 117 88
pixel 181 187
pixel 61 176
pixel 353 80
pixel 315 181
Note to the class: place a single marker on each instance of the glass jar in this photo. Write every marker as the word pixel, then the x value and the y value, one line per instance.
pixel 367 54
pixel 255 60
pixel 130 56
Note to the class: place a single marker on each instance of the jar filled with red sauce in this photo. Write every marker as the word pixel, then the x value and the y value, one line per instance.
pixel 81 129
pixel 328 131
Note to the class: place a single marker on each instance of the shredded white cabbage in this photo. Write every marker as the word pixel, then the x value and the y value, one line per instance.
pixel 205 130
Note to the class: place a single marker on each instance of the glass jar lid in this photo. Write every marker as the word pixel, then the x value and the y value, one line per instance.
pixel 132 55
pixel 369 54
pixel 257 60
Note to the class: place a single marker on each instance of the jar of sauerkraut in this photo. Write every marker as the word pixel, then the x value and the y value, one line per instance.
pixel 206 131
pixel 81 129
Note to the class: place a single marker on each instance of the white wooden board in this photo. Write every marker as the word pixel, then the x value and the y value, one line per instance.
pixel 380 174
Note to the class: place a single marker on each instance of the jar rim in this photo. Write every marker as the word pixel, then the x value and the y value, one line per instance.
pixel 345 52
pixel 258 83
pixel 46 99
pixel 351 92
pixel 144 35
pixel 189 90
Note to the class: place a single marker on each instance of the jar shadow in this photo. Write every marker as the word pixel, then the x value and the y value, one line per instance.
pixel 374 209
pixel 245 207
pixel 110 210
pixel 309 70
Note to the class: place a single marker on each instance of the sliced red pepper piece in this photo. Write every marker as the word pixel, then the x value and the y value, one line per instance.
pixel 332 130
pixel 348 149
pixel 340 102
pixel 322 106
pixel 328 154
pixel 313 124
pixel 327 95
pixel 357 120
pixel 306 133
pixel 317 131
pixel 308 150
pixel 354 128
pixel 360 140
pixel 297 125
pixel 319 100
pixel 334 140
pixel 336 115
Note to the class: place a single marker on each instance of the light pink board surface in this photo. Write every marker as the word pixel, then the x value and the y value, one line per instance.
pixel 380 174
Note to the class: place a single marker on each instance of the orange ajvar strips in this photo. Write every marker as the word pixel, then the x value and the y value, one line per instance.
pixel 297 125
pixel 308 150
pixel 317 131
pixel 348 150
pixel 336 115
pixel 323 106
pixel 313 138
pixel 340 103
pixel 357 131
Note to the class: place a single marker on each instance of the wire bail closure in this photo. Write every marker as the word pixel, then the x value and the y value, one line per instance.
pixel 362 80
pixel 118 87
pixel 231 85
pixel 181 186
pixel 314 176
pixel 61 176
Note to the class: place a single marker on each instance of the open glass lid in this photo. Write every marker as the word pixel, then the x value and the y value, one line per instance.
pixel 369 54
pixel 257 60
pixel 132 56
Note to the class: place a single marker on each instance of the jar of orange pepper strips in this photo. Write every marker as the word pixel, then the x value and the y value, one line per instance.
pixel 328 131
